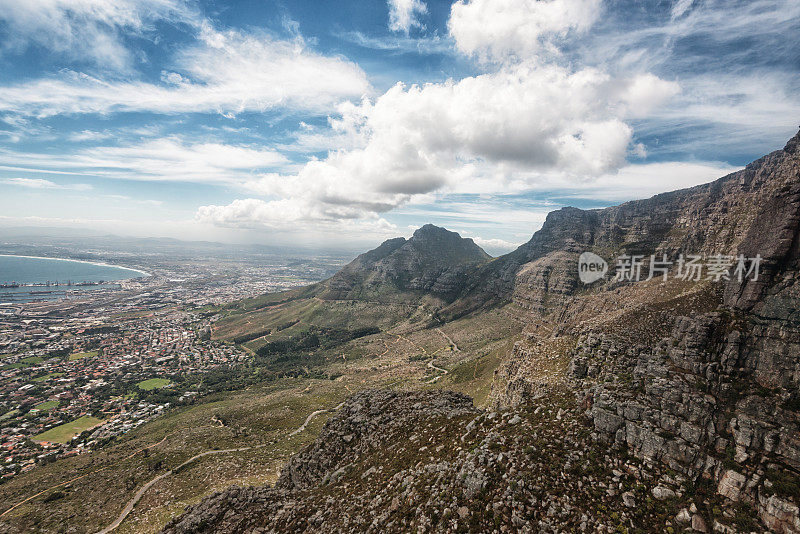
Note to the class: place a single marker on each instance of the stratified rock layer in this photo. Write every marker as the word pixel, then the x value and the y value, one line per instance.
pixel 701 377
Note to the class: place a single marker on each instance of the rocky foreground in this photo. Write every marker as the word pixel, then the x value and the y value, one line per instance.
pixel 421 462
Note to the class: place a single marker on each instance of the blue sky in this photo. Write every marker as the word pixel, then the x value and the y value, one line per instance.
pixel 344 123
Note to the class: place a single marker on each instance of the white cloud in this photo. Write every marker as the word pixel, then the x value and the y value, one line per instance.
pixel 403 14
pixel 680 7
pixel 725 87
pixel 163 159
pixel 294 216
pixel 494 244
pixel 633 181
pixel 227 72
pixel 87 29
pixel 39 183
pixel 428 44
pixel 415 140
pixel 90 135
pixel 497 29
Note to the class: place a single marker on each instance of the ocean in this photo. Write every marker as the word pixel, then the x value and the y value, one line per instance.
pixel 53 278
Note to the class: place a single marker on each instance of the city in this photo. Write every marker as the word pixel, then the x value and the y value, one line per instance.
pixel 77 373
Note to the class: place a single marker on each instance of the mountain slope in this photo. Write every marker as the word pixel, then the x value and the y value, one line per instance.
pixel 402 279
pixel 625 406
pixel 702 377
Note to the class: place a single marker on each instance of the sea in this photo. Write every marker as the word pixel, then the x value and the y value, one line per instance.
pixel 28 278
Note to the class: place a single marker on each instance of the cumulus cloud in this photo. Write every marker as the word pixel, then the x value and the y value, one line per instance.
pixel 403 14
pixel 294 215
pixel 497 29
pixel 87 29
pixel 416 140
pixel 225 72
pixel 523 120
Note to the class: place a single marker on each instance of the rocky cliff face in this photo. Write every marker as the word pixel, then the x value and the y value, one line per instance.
pixel 433 260
pixel 704 377
pixel 750 211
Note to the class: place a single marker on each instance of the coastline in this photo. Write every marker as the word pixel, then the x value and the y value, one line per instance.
pixel 143 274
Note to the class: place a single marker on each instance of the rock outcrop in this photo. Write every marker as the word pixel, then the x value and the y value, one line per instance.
pixel 430 462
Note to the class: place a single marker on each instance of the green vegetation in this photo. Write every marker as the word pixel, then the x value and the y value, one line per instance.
pixel 153 383
pixel 47 405
pixel 23 363
pixel 64 433
pixel 784 483
pixel 9 414
pixel 81 355
pixel 47 377
pixel 260 417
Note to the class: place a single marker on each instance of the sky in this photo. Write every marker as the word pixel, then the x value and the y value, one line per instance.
pixel 343 123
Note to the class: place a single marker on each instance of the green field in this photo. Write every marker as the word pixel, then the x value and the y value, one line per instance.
pixel 153 383
pixel 81 355
pixel 64 433
pixel 47 377
pixel 23 363
pixel 47 405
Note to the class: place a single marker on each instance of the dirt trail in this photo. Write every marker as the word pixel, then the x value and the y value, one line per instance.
pixel 84 475
pixel 450 340
pixel 435 378
pixel 139 494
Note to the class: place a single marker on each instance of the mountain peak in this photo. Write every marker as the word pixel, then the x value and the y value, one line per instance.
pixel 440 243
pixel 431 261
pixel 431 230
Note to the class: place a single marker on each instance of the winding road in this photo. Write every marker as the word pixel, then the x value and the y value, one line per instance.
pixel 435 378
pixel 139 494
pixel 450 340
pixel 82 476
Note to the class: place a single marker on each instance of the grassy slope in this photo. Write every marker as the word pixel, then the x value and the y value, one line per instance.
pixel 114 473
pixel 153 383
pixel 81 355
pixel 398 357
